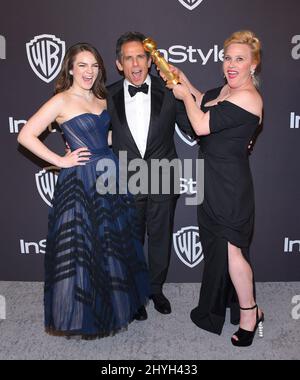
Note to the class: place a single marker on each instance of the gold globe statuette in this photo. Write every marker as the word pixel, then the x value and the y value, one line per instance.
pixel 151 47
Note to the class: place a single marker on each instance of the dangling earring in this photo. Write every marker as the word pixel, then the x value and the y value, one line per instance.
pixel 252 72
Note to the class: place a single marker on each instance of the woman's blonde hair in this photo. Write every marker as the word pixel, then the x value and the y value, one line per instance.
pixel 248 38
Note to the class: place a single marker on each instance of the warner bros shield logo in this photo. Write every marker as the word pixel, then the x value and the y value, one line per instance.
pixel 187 246
pixel 45 54
pixel 190 4
pixel 45 182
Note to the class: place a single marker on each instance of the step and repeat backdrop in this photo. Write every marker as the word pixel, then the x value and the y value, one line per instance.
pixel 34 35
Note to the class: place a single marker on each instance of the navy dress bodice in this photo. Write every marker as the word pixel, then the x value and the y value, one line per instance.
pixel 87 130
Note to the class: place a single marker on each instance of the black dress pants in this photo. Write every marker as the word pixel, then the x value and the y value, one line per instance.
pixel 156 218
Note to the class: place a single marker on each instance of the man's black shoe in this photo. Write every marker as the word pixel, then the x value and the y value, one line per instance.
pixel 161 303
pixel 141 314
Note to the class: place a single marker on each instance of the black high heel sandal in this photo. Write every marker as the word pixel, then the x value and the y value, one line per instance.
pixel 245 337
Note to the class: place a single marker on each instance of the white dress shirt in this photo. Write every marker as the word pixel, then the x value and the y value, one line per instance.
pixel 138 111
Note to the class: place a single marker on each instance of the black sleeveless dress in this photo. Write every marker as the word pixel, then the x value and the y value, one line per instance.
pixel 227 212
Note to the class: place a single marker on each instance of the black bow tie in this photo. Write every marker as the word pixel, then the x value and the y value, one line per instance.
pixel 134 90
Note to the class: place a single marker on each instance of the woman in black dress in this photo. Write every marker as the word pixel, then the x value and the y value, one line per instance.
pixel 226 120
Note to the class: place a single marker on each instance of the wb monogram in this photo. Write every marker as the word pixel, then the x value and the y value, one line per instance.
pixel 187 246
pixel 45 54
pixel 45 183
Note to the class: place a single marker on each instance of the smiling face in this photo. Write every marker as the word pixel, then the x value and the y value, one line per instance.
pixel 134 62
pixel 238 63
pixel 85 70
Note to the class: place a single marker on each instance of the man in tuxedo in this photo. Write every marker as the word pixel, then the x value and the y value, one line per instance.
pixel 143 116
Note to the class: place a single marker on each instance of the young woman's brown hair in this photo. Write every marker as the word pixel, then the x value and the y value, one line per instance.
pixel 65 79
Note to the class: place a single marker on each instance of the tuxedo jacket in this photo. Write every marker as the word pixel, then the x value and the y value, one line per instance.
pixel 165 112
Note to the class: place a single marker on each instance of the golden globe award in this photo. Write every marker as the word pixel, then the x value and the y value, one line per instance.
pixel 151 47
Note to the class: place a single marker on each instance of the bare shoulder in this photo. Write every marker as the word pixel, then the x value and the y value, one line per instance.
pixel 56 102
pixel 59 104
pixel 245 97
pixel 60 99
pixel 250 100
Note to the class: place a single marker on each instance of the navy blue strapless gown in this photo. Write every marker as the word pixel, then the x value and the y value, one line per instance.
pixel 95 271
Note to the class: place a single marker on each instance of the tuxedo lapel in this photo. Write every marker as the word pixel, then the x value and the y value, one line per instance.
pixel 157 98
pixel 119 103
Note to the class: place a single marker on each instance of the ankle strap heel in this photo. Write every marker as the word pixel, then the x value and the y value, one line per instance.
pixel 249 308
pixel 245 338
